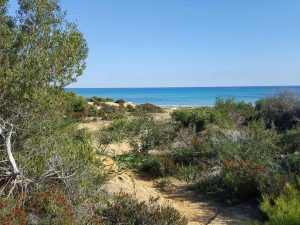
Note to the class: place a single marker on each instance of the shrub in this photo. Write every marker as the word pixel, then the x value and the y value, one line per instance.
pixel 198 118
pixel 76 106
pixel 291 163
pixel 281 110
pixel 108 112
pixel 158 135
pixel 51 207
pixel 285 210
pixel 150 164
pixel 12 211
pixel 239 113
pixel 99 100
pixel 245 159
pixel 185 156
pixel 120 101
pixel 150 108
pixel 125 209
pixel 290 141
pixel 124 128
pixel 246 163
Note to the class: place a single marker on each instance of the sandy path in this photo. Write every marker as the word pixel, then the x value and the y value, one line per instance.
pixel 195 208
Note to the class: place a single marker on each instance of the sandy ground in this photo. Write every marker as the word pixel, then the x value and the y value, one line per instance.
pixel 196 208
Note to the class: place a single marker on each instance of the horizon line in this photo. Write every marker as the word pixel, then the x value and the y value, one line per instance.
pixel 185 87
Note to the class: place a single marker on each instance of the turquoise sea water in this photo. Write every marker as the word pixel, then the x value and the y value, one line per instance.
pixel 182 96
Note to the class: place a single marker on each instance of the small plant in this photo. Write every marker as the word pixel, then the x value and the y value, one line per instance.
pixel 99 100
pixel 197 118
pixel 158 135
pixel 188 173
pixel 281 110
pixel 120 101
pixel 125 209
pixel 150 108
pixel 285 210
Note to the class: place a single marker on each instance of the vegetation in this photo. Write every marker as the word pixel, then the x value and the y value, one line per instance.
pixel 149 108
pixel 99 100
pixel 125 209
pixel 120 101
pixel 285 210
pixel 48 168
pixel 49 172
pixel 229 150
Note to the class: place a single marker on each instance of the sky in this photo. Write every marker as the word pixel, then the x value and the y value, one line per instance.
pixel 188 43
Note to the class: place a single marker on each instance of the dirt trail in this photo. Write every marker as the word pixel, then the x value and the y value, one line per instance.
pixel 197 209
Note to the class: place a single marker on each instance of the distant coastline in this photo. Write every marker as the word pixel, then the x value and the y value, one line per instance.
pixel 184 96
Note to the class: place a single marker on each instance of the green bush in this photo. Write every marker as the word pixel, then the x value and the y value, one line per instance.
pixel 125 209
pixel 158 135
pixel 150 108
pixel 197 118
pixel 76 106
pixel 185 156
pixel 245 157
pixel 151 164
pixel 124 128
pixel 291 163
pixel 99 100
pixel 120 101
pixel 234 112
pixel 285 210
pixel 281 110
pixel 108 112
pixel 290 141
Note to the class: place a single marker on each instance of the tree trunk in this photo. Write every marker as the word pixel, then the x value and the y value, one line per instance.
pixel 6 130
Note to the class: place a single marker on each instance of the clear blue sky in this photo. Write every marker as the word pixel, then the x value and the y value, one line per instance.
pixel 150 43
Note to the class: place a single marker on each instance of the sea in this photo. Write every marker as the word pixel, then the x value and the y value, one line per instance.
pixel 184 96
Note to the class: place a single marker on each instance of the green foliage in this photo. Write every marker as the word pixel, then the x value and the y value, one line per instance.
pixel 76 106
pixel 285 210
pixel 240 113
pixel 125 209
pixel 159 135
pixel 108 112
pixel 99 100
pixel 151 164
pixel 150 108
pixel 291 163
pixel 120 101
pixel 281 110
pixel 290 141
pixel 198 118
pixel 185 156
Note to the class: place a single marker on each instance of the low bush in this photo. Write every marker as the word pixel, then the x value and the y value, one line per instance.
pixel 125 209
pixel 124 128
pixel 281 110
pixel 197 118
pixel 291 163
pixel 99 100
pixel 51 207
pixel 120 101
pixel 238 112
pixel 108 112
pixel 158 135
pixel 150 108
pixel 285 209
pixel 290 141
pixel 75 106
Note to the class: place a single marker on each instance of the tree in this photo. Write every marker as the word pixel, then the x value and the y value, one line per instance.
pixel 40 53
